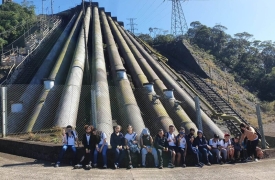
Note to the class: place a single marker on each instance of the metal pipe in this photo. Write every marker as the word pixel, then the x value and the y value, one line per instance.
pixel 99 81
pixel 68 106
pixel 170 103
pixel 189 106
pixel 4 110
pixel 161 117
pixel 42 109
pixel 129 110
pixel 33 90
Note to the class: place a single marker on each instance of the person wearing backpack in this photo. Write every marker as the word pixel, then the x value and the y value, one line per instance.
pixel 227 151
pixel 252 140
pixel 69 140
pixel 101 147
pixel 131 142
pixel 146 142
pixel 171 138
pixel 182 147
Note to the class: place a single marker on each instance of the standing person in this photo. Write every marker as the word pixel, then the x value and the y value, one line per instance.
pixel 227 150
pixel 215 148
pixel 117 143
pixel 161 145
pixel 252 140
pixel 87 143
pixel 69 140
pixel 237 147
pixel 101 147
pixel 171 138
pixel 131 142
pixel 146 143
pixel 182 147
pixel 203 147
pixel 192 150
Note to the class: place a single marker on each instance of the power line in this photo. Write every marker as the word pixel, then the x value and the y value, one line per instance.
pixel 132 25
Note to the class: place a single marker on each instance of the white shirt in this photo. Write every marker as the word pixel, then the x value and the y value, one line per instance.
pixel 214 143
pixel 182 142
pixel 102 137
pixel 88 139
pixel 225 144
pixel 171 137
pixel 130 137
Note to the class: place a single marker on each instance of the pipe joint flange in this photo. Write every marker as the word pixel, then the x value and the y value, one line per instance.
pixel 121 74
pixel 149 87
pixel 169 93
pixel 48 84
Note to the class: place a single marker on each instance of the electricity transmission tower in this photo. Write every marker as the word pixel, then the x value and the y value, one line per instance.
pixel 178 22
pixel 132 25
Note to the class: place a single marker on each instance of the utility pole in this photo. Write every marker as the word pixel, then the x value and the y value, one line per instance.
pixel 178 22
pixel 43 7
pixel 52 6
pixel 132 25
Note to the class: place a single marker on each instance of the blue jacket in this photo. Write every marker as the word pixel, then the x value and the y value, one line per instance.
pixel 117 140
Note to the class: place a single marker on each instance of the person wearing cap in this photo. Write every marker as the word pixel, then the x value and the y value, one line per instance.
pixel 215 148
pixel 182 147
pixel 237 147
pixel 203 147
pixel 102 148
pixel 227 151
pixel 146 143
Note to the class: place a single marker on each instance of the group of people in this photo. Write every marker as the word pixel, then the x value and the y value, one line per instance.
pixel 175 147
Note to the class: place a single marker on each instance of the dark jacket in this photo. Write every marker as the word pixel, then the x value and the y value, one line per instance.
pixel 201 143
pixel 117 140
pixel 188 136
pixel 160 143
pixel 237 146
pixel 190 147
pixel 94 139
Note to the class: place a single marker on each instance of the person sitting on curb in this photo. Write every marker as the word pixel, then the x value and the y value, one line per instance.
pixel 87 143
pixel 227 150
pixel 131 142
pixel 171 138
pixel 203 147
pixel 117 143
pixel 161 145
pixel 237 148
pixel 69 140
pixel 182 147
pixel 192 149
pixel 146 142
pixel 101 147
pixel 215 148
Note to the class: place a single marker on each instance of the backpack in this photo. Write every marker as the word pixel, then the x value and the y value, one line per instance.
pixel 133 147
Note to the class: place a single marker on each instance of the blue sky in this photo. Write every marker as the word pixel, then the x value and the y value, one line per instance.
pixel 253 16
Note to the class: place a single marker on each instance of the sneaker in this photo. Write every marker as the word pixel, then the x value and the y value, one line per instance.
pixel 78 166
pixel 198 165
pixel 184 165
pixel 249 158
pixel 208 164
pixel 88 166
pixel 116 166
pixel 256 160
pixel 57 165
pixel 160 167
pixel 130 166
pixel 221 163
pixel 105 166
pixel 170 165
pixel 143 166
pixel 201 164
pixel 95 165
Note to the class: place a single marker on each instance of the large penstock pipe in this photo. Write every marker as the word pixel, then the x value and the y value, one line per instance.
pixel 129 109
pixel 99 80
pixel 189 106
pixel 171 104
pixel 34 88
pixel 68 106
pixel 48 97
pixel 162 119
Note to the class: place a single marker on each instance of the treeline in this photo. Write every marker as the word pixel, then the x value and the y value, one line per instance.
pixel 250 61
pixel 15 18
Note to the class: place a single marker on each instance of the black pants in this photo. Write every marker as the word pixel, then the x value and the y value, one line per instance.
pixel 88 157
pixel 181 151
pixel 130 157
pixel 251 147
pixel 160 153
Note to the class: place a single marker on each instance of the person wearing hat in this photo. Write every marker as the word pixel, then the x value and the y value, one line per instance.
pixel 204 148
pixel 215 148
pixel 146 143
pixel 227 151
pixel 182 147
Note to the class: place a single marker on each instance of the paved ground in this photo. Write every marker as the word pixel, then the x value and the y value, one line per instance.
pixel 15 167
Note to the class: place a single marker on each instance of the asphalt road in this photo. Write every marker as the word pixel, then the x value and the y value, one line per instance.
pixel 16 167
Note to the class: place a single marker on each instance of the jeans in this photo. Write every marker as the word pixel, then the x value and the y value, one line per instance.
pixel 224 154
pixel 217 153
pixel 128 151
pixel 206 154
pixel 104 154
pixel 251 147
pixel 64 149
pixel 119 155
pixel 160 152
pixel 154 153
